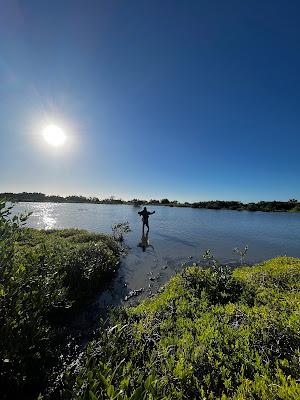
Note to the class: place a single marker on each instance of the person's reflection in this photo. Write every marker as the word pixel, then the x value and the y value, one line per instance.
pixel 145 242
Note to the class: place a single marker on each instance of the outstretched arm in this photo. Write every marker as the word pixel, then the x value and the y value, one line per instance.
pixel 153 212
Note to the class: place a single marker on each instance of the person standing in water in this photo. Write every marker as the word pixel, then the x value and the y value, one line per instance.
pixel 145 217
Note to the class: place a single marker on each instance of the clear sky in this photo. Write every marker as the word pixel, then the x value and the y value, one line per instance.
pixel 190 100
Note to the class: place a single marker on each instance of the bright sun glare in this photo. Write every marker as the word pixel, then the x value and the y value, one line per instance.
pixel 54 135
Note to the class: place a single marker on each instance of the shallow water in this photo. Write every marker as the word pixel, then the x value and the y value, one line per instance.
pixel 177 235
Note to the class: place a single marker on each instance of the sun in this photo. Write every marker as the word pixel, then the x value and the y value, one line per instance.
pixel 54 135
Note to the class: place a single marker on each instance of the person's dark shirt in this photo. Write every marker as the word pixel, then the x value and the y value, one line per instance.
pixel 145 215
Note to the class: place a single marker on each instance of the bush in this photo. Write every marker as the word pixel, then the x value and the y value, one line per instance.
pixel 210 334
pixel 44 277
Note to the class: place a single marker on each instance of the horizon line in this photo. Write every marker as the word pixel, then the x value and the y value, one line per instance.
pixel 115 198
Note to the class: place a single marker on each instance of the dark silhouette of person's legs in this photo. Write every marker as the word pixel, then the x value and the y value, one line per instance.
pixel 147 225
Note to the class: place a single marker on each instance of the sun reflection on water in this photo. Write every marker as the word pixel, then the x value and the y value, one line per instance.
pixel 46 213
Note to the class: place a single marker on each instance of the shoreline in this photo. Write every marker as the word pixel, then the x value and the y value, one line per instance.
pixel 171 205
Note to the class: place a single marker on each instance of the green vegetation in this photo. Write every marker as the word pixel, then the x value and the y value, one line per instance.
pixel 45 277
pixel 278 206
pixel 210 334
pixel 119 230
pixel 266 206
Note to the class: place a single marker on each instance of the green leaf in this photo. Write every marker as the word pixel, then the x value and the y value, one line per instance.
pixel 137 394
pixel 92 395
pixel 110 391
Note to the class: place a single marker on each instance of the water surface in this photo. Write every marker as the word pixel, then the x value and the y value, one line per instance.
pixel 177 235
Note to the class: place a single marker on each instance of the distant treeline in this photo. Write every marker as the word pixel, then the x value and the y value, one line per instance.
pixel 291 205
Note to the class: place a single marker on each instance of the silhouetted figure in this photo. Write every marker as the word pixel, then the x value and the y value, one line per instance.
pixel 145 241
pixel 145 217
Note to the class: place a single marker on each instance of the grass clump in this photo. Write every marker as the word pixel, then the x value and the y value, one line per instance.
pixel 83 260
pixel 210 334
pixel 45 276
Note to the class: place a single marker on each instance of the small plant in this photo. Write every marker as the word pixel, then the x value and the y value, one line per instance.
pixel 210 259
pixel 242 253
pixel 120 229
pixel 215 264
pixel 208 256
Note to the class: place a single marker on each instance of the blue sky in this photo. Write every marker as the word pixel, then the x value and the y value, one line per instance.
pixel 190 100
